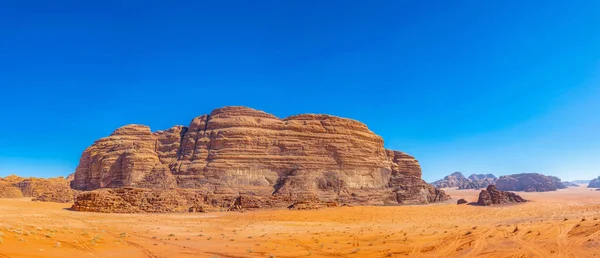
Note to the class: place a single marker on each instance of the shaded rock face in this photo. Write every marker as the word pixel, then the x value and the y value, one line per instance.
pixel 529 182
pixel 492 196
pixel 40 189
pixel 239 151
pixel 594 183
pixel 461 201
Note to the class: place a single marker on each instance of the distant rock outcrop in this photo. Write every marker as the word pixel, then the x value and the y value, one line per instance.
pixel 474 181
pixel 594 183
pixel 461 201
pixel 569 184
pixel 238 151
pixel 455 179
pixel 492 196
pixel 529 182
pixel 40 189
pixel 581 182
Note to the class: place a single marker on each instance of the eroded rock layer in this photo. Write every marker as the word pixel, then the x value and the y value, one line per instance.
pixel 241 151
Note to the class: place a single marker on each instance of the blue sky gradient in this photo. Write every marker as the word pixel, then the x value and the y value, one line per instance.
pixel 474 86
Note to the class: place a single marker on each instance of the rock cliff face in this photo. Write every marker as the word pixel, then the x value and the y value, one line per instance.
pixel 595 183
pixel 529 182
pixel 492 196
pixel 40 189
pixel 238 151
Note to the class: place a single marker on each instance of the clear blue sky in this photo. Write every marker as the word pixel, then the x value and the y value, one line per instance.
pixel 475 86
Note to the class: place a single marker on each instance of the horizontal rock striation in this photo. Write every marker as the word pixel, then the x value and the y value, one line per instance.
pixel 241 151
pixel 529 182
pixel 492 196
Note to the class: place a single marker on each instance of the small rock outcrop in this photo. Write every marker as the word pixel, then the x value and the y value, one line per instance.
pixel 239 151
pixel 461 201
pixel 493 196
pixel 529 182
pixel 39 189
pixel 594 183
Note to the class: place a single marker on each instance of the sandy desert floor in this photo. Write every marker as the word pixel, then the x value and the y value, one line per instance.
pixel 565 223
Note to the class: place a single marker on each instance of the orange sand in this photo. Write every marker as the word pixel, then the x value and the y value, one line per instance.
pixel 565 223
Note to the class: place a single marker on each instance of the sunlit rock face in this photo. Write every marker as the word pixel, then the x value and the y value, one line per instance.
pixel 239 150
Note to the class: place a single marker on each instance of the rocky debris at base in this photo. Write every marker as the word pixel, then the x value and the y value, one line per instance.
pixel 492 196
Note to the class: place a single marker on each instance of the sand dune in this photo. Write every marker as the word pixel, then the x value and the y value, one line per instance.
pixel 565 223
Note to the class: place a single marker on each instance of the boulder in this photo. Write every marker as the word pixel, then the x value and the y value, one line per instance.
pixel 492 196
pixel 461 201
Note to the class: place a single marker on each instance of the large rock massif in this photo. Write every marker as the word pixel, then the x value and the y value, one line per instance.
pixel 474 181
pixel 529 182
pixel 240 152
pixel 594 183
pixel 40 189
pixel 492 196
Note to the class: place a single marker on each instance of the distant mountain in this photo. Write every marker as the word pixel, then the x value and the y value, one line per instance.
pixel 529 182
pixel 580 182
pixel 569 184
pixel 476 177
pixel 457 179
pixel 453 180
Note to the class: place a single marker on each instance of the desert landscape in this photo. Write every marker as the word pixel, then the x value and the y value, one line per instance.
pixel 564 223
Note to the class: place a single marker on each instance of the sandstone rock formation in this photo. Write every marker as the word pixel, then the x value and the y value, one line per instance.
pixel 455 179
pixel 492 196
pixel 478 177
pixel 40 189
pixel 8 190
pixel 461 201
pixel 528 182
pixel 238 151
pixel 594 183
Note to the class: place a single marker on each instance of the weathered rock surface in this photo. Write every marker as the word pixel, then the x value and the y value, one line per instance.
pixel 594 183
pixel 492 196
pixel 237 151
pixel 529 182
pixel 461 201
pixel 40 189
